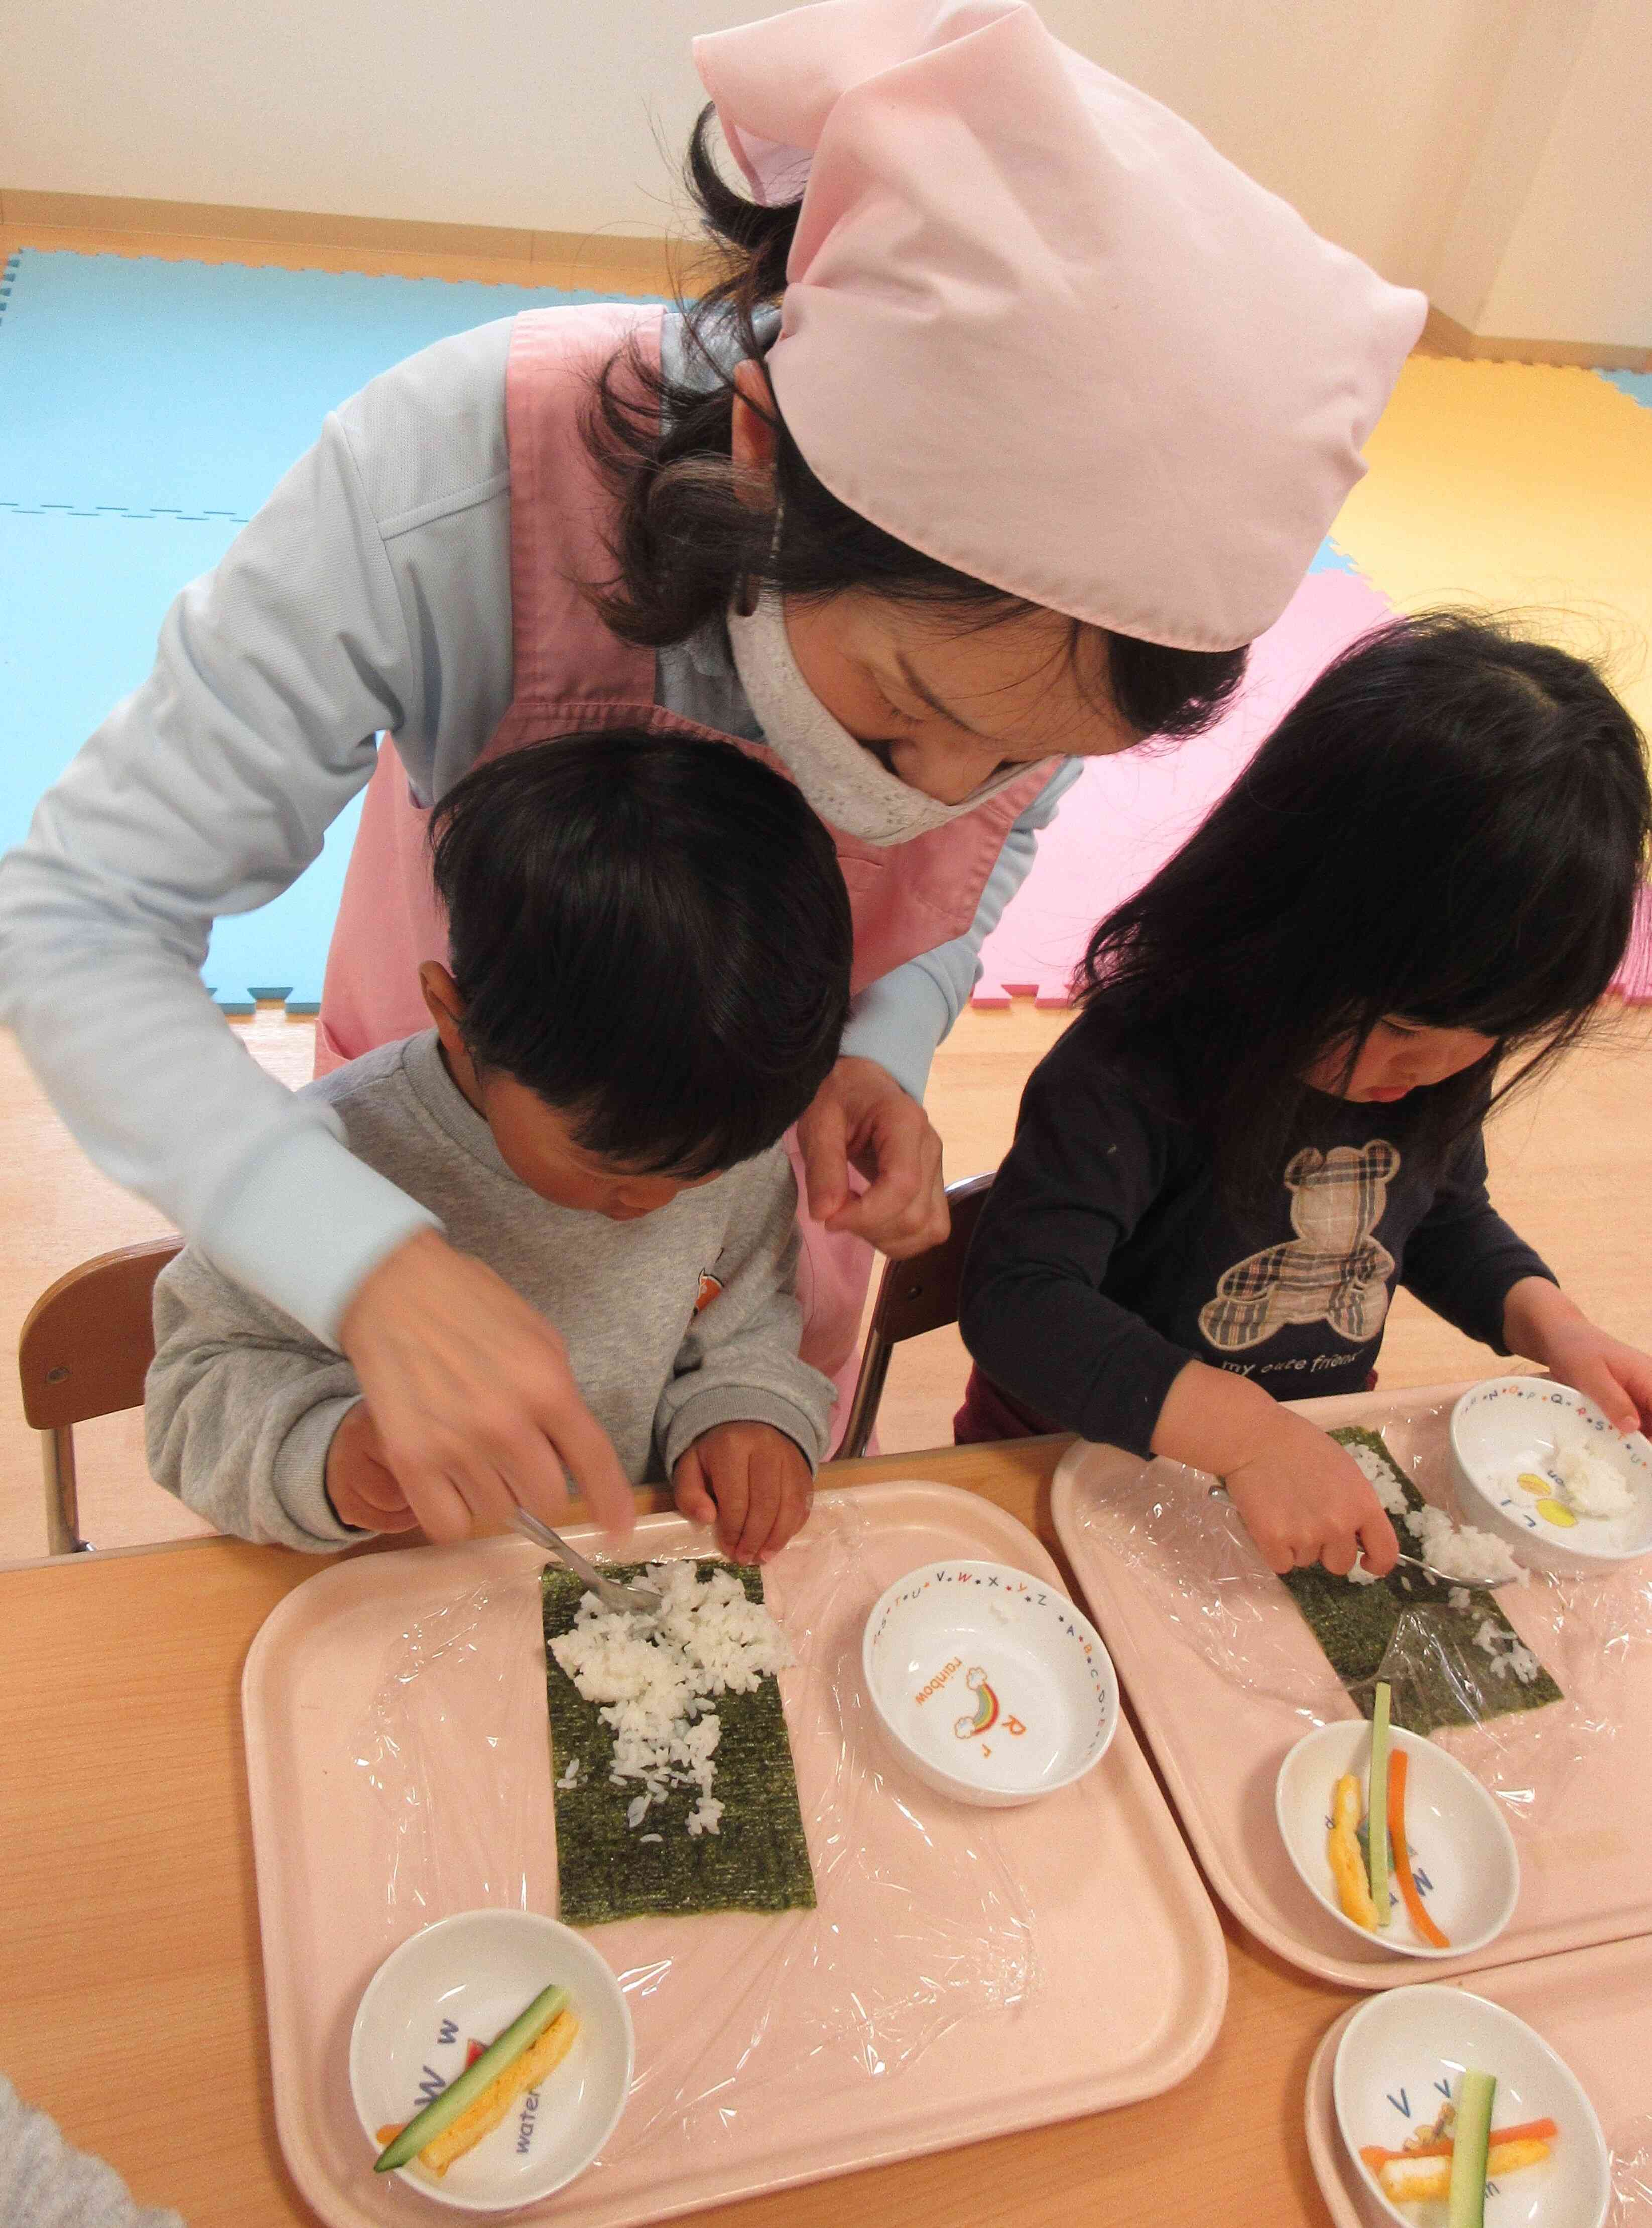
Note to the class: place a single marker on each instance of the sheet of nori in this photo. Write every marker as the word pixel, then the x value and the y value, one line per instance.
pixel 1355 1624
pixel 758 1861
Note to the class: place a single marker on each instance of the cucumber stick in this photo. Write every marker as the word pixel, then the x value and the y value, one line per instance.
pixel 1377 1804
pixel 1470 2144
pixel 441 2111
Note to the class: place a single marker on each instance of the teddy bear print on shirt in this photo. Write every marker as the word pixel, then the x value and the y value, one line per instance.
pixel 1332 1271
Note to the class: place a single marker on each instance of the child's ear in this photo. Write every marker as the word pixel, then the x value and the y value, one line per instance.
pixel 447 1008
pixel 444 1007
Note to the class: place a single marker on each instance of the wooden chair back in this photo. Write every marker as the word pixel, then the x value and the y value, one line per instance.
pixel 913 1296
pixel 83 1351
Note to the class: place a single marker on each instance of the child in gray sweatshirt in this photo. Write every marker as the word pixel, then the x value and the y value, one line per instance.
pixel 649 964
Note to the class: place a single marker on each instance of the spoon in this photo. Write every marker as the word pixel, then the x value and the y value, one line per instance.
pixel 1473 1585
pixel 608 1591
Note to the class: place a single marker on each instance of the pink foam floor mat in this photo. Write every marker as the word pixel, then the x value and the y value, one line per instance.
pixel 1125 815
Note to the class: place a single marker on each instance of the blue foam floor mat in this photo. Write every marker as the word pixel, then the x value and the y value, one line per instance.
pixel 147 407
pixel 137 384
pixel 1637 385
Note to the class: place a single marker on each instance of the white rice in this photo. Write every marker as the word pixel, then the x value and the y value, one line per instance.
pixel 1382 1478
pixel 1456 1552
pixel 1592 1486
pixel 653 1676
pixel 1461 1551
pixel 1508 1651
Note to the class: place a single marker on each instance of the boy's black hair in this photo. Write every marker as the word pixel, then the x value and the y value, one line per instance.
pixel 1451 826
pixel 652 935
pixel 691 527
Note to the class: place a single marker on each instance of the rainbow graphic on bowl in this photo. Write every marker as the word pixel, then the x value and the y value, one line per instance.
pixel 986 1706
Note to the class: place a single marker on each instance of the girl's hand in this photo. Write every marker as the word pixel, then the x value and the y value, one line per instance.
pixel 1302 1499
pixel 862 1116
pixel 1539 1320
pixel 751 1483
pixel 1305 1500
pixel 360 1483
pixel 475 1407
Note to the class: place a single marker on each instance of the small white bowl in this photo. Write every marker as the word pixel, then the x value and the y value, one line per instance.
pixel 1403 2053
pixel 1512 1424
pixel 1462 1851
pixel 989 1684
pixel 464 1980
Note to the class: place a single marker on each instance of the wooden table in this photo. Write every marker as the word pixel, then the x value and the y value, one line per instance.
pixel 132 2001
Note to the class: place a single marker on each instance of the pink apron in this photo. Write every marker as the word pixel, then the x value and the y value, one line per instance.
pixel 571 674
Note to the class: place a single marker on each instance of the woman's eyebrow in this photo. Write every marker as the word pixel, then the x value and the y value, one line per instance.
pixel 926 696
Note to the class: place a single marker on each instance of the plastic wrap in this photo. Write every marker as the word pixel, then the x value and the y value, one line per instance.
pixel 1631 2148
pixel 1197 1571
pixel 915 1929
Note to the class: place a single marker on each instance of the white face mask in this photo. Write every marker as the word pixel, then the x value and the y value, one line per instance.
pixel 842 779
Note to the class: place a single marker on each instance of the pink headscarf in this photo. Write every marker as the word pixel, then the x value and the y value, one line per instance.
pixel 1037 326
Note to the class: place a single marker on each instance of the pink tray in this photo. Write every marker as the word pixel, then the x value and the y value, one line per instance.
pixel 1594 2007
pixel 1134 1969
pixel 1219 1746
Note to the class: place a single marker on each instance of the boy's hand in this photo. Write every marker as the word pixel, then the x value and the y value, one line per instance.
pixel 360 1483
pixel 862 1116
pixel 1305 1500
pixel 750 1482
pixel 1539 1320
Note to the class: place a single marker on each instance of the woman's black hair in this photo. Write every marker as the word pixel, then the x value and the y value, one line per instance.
pixel 652 935
pixel 1451 826
pixel 691 527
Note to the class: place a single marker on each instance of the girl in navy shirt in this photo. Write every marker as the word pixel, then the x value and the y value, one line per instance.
pixel 1268 1113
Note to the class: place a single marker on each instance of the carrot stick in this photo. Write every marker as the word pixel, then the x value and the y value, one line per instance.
pixel 1413 1902
pixel 1538 2131
pixel 1528 2131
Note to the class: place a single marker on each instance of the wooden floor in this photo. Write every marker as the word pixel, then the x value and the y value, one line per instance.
pixel 1571 1168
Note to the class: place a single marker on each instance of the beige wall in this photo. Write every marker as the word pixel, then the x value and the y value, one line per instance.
pixel 1579 258
pixel 1362 113
pixel 1493 151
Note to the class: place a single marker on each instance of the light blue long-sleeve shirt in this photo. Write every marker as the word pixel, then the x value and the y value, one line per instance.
pixel 371 594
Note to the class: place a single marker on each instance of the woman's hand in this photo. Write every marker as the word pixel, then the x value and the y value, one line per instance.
pixel 861 1117
pixel 475 1405
pixel 1540 1322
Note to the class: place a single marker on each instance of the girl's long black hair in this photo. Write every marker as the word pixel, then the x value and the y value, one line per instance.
pixel 1451 827
pixel 690 529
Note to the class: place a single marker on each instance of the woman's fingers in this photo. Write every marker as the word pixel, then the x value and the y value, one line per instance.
pixel 589 1456
pixel 823 1141
pixel 861 1116
pixel 903 1210
pixel 443 1513
pixel 475 1407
